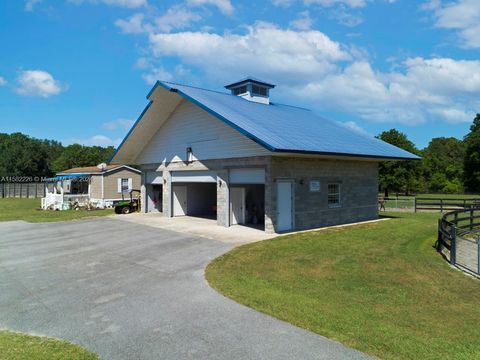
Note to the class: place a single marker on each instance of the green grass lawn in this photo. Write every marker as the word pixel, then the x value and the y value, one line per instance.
pixel 17 346
pixel 26 209
pixel 380 288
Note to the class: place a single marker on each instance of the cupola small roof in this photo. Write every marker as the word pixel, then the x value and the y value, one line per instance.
pixel 251 80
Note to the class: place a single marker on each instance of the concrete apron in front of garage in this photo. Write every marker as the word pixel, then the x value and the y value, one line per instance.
pixel 128 291
pixel 198 226
pixel 237 234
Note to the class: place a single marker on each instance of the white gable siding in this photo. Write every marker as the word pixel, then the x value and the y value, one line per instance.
pixel 209 138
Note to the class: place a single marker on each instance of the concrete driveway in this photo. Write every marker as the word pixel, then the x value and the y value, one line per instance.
pixel 131 291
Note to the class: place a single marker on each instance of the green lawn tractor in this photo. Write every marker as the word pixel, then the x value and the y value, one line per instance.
pixel 126 206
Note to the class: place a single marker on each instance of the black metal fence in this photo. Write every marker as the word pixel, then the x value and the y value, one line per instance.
pixel 459 238
pixel 445 204
pixel 22 190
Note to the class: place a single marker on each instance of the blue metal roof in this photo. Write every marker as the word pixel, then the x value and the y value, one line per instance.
pixel 284 128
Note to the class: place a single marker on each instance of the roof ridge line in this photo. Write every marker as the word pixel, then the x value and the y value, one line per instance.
pixel 196 87
pixel 225 93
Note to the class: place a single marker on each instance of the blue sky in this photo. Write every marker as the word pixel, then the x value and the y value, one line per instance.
pixel 79 70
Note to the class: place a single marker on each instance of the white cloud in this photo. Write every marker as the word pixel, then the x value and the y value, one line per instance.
pixel 38 83
pixel 453 115
pixel 120 3
pixel 264 48
pixel 96 140
pixel 30 4
pixel 225 6
pixel 352 125
pixel 345 17
pixel 310 68
pixel 283 3
pixel 3 82
pixel 303 22
pixel 426 89
pixel 329 3
pixel 177 17
pixel 121 124
pixel 133 25
pixel 157 73
pixel 460 15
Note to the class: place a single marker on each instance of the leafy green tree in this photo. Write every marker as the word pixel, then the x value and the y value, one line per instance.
pixel 442 163
pixel 399 176
pixel 21 155
pixel 438 182
pixel 77 155
pixel 26 156
pixel 471 163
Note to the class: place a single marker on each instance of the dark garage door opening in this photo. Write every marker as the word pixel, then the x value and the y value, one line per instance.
pixel 247 205
pixel 154 198
pixel 195 199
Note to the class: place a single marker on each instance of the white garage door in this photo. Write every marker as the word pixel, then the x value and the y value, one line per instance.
pixel 247 176
pixel 194 177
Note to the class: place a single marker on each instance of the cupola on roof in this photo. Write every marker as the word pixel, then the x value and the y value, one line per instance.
pixel 252 89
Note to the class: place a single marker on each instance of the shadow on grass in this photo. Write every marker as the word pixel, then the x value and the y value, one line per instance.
pixel 384 216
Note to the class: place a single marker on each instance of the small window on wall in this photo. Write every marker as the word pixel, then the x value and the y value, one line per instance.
pixel 334 195
pixel 124 185
pixel 314 186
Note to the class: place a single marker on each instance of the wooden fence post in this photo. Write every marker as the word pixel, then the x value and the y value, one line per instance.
pixel 415 203
pixel 441 206
pixel 471 219
pixel 453 245
pixel 478 255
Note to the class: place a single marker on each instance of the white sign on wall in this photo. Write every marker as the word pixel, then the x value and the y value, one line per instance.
pixel 314 186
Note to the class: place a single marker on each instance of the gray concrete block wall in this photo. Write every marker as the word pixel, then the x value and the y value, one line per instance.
pixel 143 192
pixel 166 194
pixel 223 199
pixel 359 189
pixel 269 209
pixel 359 181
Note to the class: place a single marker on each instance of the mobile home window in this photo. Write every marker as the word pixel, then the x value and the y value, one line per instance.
pixel 125 185
pixel 334 195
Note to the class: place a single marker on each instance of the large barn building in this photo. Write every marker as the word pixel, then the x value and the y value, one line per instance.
pixel 243 159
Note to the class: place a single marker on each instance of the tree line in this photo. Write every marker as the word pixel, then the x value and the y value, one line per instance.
pixel 22 155
pixel 448 165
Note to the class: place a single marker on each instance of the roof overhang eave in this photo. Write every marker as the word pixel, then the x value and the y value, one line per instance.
pixel 343 155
